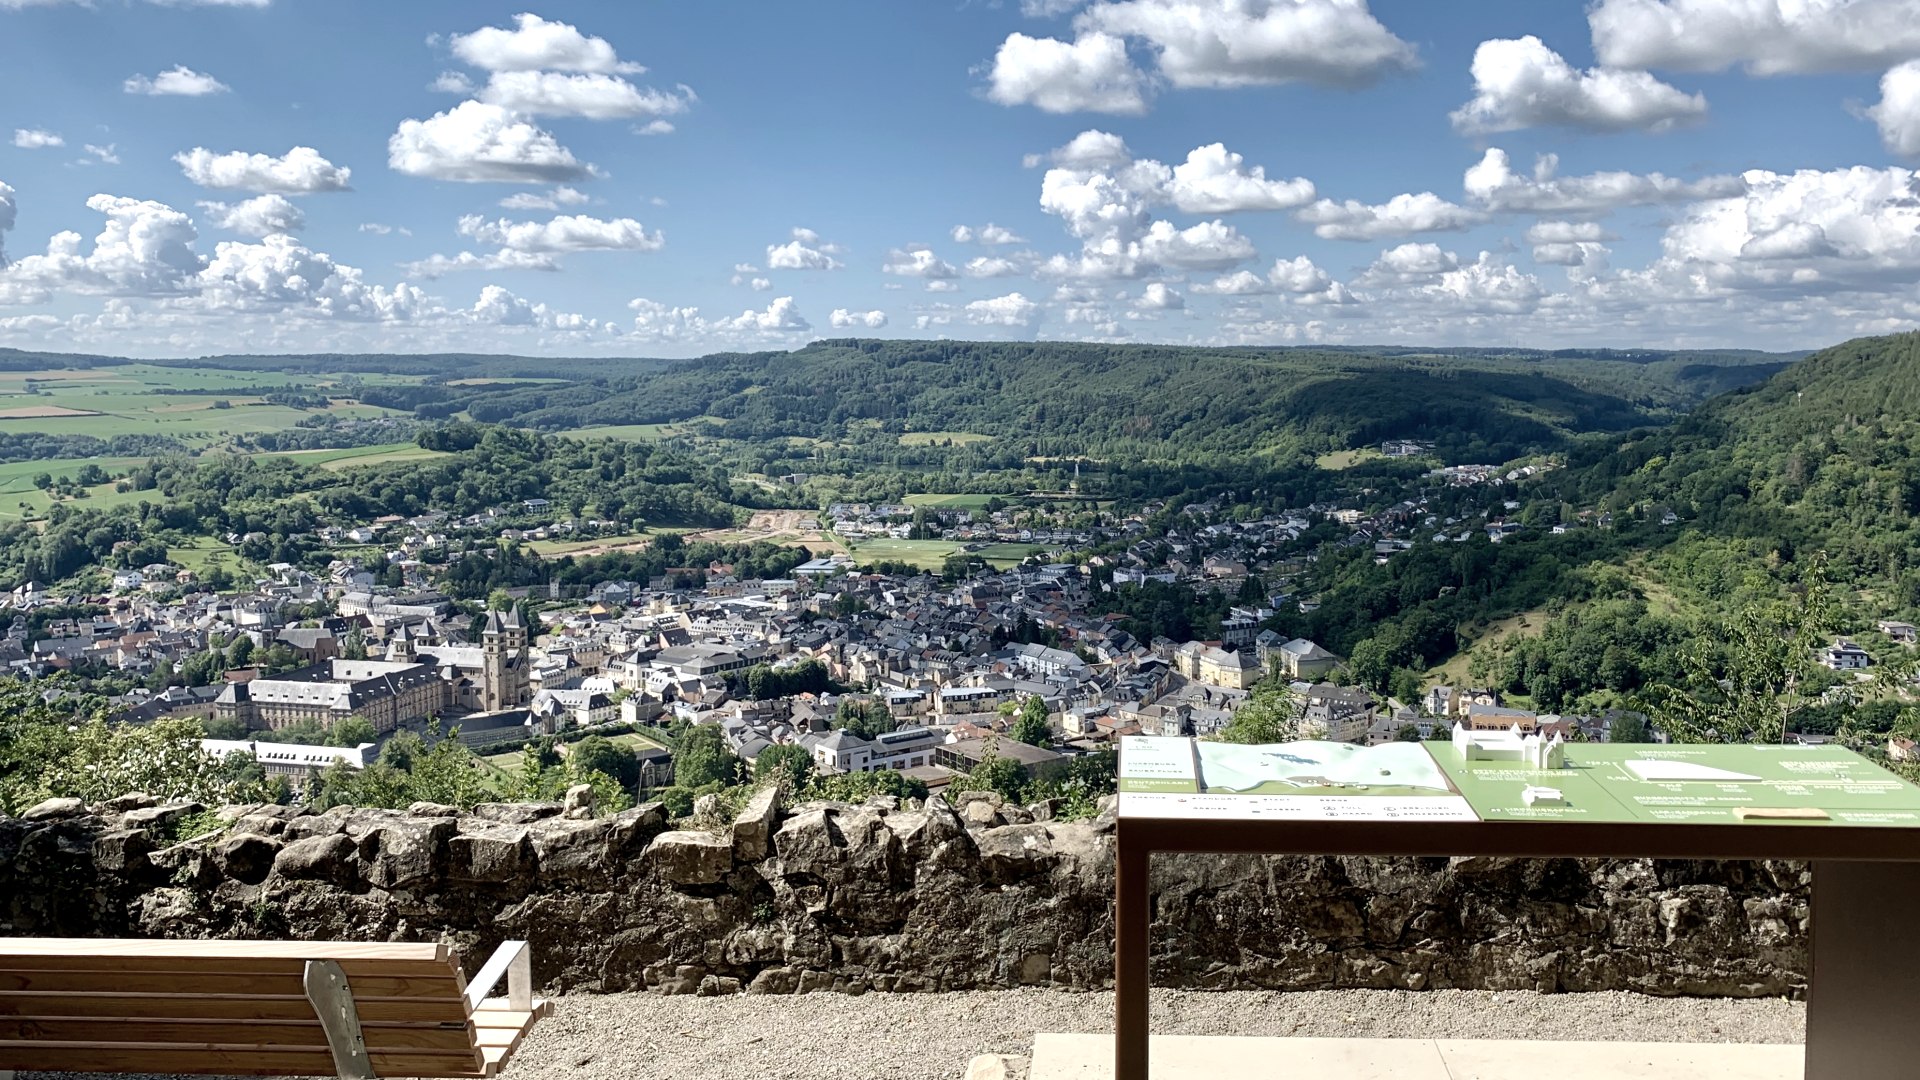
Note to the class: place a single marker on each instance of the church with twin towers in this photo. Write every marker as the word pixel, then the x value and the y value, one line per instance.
pixel 421 676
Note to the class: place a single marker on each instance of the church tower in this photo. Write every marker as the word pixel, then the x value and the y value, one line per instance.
pixel 503 652
pixel 400 649
pixel 493 657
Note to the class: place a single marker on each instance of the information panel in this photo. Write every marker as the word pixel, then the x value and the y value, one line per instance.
pixel 1501 776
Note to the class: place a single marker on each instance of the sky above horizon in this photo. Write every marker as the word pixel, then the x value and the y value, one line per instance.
pixel 191 177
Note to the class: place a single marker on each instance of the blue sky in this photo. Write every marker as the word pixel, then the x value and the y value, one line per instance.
pixel 284 175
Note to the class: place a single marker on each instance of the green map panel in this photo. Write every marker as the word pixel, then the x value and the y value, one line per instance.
pixel 1628 783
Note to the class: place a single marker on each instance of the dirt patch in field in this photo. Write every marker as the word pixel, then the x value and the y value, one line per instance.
pixel 42 412
pixel 788 528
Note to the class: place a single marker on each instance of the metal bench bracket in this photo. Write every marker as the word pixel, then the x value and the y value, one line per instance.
pixel 332 1000
pixel 514 961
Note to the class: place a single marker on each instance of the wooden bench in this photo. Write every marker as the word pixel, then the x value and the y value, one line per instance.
pixel 259 1008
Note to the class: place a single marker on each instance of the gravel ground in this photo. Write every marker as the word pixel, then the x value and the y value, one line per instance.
pixel 933 1036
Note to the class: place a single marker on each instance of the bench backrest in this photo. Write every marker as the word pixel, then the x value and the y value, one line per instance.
pixel 230 1007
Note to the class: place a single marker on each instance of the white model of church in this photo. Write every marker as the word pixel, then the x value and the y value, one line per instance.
pixel 1510 745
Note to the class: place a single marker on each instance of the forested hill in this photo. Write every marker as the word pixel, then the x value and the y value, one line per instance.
pixel 1139 402
pixel 1825 454
pixel 432 366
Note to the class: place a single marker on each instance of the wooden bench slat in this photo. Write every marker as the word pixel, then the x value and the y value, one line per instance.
pixel 230 965
pixel 221 1007
pixel 105 1030
pixel 241 1008
pixel 226 1059
pixel 214 982
pixel 259 950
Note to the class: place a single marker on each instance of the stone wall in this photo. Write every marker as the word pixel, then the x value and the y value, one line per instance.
pixel 891 898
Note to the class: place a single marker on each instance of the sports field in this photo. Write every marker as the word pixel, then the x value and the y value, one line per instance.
pixel 932 554
pixel 958 502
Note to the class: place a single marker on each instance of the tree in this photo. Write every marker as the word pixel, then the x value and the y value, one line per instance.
pixel 1031 725
pixel 867 719
pixel 1629 727
pixel 1269 715
pixel 1407 733
pixel 703 758
pixel 402 749
pixel 1745 683
pixel 353 731
pixel 787 764
pixel 993 773
pixel 596 753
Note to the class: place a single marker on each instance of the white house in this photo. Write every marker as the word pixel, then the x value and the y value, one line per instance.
pixel 1844 655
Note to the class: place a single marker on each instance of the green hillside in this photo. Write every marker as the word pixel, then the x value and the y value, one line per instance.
pixel 1825 454
pixel 1142 402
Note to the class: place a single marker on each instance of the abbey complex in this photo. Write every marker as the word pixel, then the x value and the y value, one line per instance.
pixel 422 676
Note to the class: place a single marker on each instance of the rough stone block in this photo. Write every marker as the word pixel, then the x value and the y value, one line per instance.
pixel 1013 852
pixel 159 817
pixel 488 857
pixel 316 857
pixel 753 829
pixel 246 857
pixel 518 813
pixel 406 854
pixel 691 858
pixel 122 851
pixel 54 810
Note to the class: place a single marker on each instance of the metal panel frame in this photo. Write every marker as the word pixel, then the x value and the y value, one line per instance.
pixel 332 1001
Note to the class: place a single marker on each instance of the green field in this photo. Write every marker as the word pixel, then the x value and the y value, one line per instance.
pixel 105 402
pixel 932 554
pixel 935 438
pixel 349 457
pixel 202 551
pixel 555 548
pixel 1347 459
pixel 957 502
pixel 18 496
pixel 636 432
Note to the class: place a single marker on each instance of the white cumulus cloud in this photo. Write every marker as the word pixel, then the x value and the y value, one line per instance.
pixel 144 248
pixel 1215 180
pixel 476 142
pixel 843 319
pixel 1159 296
pixel 535 44
pixel 917 262
pixel 990 235
pixel 590 95
pixel 300 171
pixel 1520 83
pixel 1898 113
pixel 36 139
pixel 782 316
pixel 262 215
pixel 1768 37
pixel 568 232
pixel 1089 74
pixel 551 200
pixel 806 251
pixel 1225 43
pixel 1402 215
pixel 1013 309
pixel 177 81
pixel 1493 184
